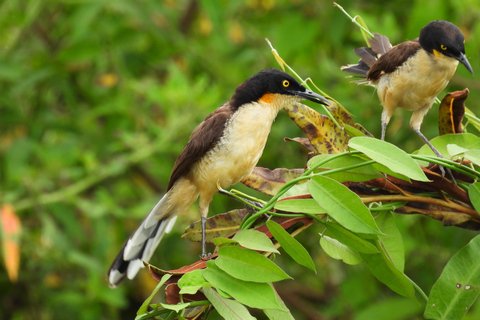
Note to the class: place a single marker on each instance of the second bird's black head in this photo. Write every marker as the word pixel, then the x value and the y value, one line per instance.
pixel 272 81
pixel 443 37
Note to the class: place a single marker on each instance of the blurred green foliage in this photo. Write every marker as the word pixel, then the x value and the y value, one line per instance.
pixel 98 97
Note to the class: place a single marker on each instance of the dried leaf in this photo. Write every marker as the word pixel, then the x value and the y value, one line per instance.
pixel 322 132
pixel 451 112
pixel 303 141
pixel 11 232
pixel 270 181
pixel 220 225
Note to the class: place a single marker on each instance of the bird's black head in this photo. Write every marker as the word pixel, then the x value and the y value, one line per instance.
pixel 271 81
pixel 444 38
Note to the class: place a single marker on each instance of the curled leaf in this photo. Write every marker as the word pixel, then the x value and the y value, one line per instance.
pixel 451 112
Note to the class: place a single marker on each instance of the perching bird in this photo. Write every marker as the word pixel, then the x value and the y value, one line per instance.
pixel 222 150
pixel 411 74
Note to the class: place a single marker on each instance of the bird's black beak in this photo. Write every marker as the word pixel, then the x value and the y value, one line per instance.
pixel 312 96
pixel 462 58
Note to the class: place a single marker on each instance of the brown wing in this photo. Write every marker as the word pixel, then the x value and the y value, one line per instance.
pixel 394 58
pixel 203 139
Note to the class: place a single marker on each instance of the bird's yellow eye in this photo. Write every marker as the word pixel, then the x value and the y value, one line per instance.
pixel 443 47
pixel 286 83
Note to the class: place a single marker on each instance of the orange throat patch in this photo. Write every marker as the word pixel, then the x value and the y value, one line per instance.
pixel 267 98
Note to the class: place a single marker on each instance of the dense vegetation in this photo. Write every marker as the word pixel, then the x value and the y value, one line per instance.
pixel 98 98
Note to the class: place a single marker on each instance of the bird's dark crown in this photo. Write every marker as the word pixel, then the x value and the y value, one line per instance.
pixel 266 81
pixel 444 37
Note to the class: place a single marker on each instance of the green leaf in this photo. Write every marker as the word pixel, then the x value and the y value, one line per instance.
pixel 144 307
pixel 391 240
pixel 350 239
pixel 255 240
pixel 275 314
pixel 458 286
pixel 339 251
pixel 354 171
pixel 175 307
pixel 385 271
pixel 248 265
pixel 389 155
pixel 191 282
pixel 300 206
pixel 342 205
pixel 252 294
pixel 221 241
pixel 474 195
pixel 228 309
pixel 291 245
pixel 463 140
pixel 474 156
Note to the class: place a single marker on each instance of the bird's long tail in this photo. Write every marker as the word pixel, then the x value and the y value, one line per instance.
pixel 141 245
pixel 378 46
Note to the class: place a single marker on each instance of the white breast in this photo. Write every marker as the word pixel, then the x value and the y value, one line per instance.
pixel 416 84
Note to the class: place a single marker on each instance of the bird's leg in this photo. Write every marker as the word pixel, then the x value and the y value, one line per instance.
pixel 438 154
pixel 384 129
pixel 204 235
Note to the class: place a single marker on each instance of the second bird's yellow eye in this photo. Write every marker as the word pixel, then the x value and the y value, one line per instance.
pixel 286 83
pixel 443 47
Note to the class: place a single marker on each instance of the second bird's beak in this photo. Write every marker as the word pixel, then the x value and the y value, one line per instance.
pixel 312 96
pixel 462 58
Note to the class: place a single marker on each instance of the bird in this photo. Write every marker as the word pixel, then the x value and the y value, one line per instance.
pixel 222 151
pixel 411 74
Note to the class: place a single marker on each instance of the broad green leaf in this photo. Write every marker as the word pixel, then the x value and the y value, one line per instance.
pixel 339 251
pixel 474 195
pixel 458 286
pixel 252 294
pixel 255 240
pixel 342 205
pixel 291 245
pixel 391 239
pixel 248 265
pixel 385 271
pixel 454 150
pixel 389 155
pixel 350 239
pixel 191 282
pixel 144 307
pixel 474 156
pixel 464 140
pixel 300 205
pixel 228 309
pixel 350 163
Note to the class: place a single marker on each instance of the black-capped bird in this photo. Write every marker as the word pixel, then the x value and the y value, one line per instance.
pixel 222 150
pixel 411 74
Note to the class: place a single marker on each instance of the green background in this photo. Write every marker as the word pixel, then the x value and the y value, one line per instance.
pixel 97 98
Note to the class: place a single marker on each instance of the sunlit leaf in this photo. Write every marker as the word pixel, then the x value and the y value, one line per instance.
pixel 248 265
pixel 300 206
pixel 252 294
pixel 388 155
pixel 342 205
pixel 254 240
pixel 458 286
pixel 391 239
pixel 339 251
pixel 350 239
